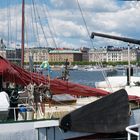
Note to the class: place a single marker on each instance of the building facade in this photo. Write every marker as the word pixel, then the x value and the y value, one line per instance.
pixel 14 55
pixel 112 55
pixel 37 54
pixel 85 54
pixel 133 54
pixel 62 55
pixel 97 55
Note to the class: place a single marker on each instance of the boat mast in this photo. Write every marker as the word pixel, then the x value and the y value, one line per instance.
pixel 129 67
pixel 22 35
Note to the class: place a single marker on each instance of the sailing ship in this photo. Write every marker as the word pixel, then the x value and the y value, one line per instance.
pixel 29 120
pixel 67 121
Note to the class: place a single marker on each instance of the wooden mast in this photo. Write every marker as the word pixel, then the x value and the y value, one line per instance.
pixel 22 35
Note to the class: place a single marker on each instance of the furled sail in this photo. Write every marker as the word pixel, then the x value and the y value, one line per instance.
pixel 15 74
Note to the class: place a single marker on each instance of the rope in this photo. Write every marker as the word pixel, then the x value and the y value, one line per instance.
pixel 100 63
pixel 37 32
pixel 8 23
pixel 41 24
pixel 52 30
pixel 52 25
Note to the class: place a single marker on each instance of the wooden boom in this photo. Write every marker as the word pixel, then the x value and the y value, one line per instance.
pixel 129 40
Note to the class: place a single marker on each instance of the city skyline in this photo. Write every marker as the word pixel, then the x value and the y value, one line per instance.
pixel 62 24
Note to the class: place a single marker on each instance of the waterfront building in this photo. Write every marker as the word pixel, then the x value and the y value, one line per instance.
pixel 10 53
pixel 13 55
pixel 133 55
pixel 85 54
pixel 38 54
pixel 97 55
pixel 112 54
pixel 62 55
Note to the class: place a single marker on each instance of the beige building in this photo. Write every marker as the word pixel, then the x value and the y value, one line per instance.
pixel 37 54
pixel 62 55
pixel 97 55
pixel 115 55
pixel 133 55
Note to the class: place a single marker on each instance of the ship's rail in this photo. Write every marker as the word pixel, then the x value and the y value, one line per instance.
pixel 130 131
pixel 45 111
pixel 26 112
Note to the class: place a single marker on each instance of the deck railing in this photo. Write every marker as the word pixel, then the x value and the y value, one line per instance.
pixel 132 132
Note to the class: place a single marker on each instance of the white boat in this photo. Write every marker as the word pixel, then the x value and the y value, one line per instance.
pixel 75 67
pixel 115 83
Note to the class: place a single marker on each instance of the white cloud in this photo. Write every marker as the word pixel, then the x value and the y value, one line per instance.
pixel 66 23
pixel 94 5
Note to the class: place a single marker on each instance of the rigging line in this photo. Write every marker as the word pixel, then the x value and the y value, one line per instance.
pixel 41 25
pixel 4 32
pixel 37 32
pixel 100 63
pixel 26 33
pixel 51 32
pixel 10 21
pixel 15 10
pixel 32 23
pixel 27 41
pixel 84 22
pixel 8 29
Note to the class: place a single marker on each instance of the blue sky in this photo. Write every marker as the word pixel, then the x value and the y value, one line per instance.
pixel 59 22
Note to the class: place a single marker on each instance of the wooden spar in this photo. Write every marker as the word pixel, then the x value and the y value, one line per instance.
pixel 124 39
pixel 22 36
pixel 129 40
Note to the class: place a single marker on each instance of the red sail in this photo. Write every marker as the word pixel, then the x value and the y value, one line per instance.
pixel 15 74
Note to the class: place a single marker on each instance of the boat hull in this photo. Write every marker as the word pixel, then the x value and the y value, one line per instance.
pixel 49 129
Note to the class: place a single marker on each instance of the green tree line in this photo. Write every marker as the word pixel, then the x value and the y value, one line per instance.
pixel 89 63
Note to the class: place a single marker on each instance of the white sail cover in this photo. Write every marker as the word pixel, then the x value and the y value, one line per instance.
pixel 4 101
pixel 116 82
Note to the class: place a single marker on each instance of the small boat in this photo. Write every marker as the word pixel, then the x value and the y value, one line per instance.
pixel 114 83
pixel 74 67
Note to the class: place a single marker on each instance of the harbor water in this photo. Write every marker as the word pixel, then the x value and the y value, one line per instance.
pixel 90 77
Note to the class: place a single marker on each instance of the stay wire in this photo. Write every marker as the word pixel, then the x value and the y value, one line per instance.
pixel 41 24
pixel 37 32
pixel 52 30
pixel 99 63
pixel 32 23
pixel 47 17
